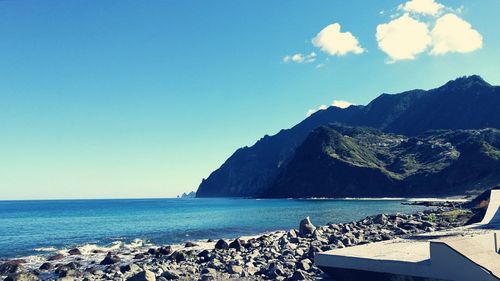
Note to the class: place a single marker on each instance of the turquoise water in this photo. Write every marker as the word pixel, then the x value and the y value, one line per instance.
pixel 28 227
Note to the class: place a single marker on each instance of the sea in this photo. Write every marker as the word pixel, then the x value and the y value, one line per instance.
pixel 44 227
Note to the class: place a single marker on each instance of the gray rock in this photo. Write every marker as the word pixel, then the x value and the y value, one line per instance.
pixel 306 228
pixel 170 275
pixel 380 219
pixel 145 275
pixel 25 276
pixel 235 269
pixel 304 264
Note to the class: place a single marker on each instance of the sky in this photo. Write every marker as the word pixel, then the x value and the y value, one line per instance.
pixel 142 99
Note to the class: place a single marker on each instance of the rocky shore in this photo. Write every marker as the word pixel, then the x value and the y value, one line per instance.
pixel 279 255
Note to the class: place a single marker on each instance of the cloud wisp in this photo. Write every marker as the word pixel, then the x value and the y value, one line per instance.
pixel 424 7
pixel 300 58
pixel 335 103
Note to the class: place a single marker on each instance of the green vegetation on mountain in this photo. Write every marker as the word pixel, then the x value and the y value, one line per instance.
pixel 339 161
pixel 464 103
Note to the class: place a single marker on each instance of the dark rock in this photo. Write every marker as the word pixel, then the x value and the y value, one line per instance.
pixel 167 250
pixel 179 256
pixel 298 275
pixel 306 228
pixel 208 270
pixel 10 267
pixel 75 252
pixel 46 266
pixel 204 254
pixel 190 244
pixel 236 244
pixel 221 245
pixel 110 259
pixel 139 256
pixel 91 270
pixel 132 267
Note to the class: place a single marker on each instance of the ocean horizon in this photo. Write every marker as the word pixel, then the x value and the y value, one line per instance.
pixel 44 227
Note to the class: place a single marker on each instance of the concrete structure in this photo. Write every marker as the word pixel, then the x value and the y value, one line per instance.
pixel 464 254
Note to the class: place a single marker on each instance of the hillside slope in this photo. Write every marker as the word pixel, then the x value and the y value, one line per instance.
pixel 464 103
pixel 338 161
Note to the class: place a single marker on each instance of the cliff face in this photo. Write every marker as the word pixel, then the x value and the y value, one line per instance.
pixel 337 161
pixel 464 103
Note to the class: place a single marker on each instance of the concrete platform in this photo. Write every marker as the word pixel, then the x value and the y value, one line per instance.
pixel 464 254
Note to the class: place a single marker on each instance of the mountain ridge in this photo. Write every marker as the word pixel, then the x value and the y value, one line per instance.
pixel 464 103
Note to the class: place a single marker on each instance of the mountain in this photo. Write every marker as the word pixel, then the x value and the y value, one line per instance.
pixel 464 103
pixel 339 161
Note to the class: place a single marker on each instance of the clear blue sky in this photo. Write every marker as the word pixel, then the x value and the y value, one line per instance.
pixel 113 98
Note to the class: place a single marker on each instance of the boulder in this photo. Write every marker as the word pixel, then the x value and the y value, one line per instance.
pixel 9 267
pixel 145 275
pixel 304 264
pixel 236 244
pixel 132 267
pixel 46 266
pixel 75 252
pixel 380 219
pixel 167 250
pixel 306 228
pixel 221 245
pixel 110 259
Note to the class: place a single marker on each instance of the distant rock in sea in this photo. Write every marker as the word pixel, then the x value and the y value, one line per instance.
pixel 185 195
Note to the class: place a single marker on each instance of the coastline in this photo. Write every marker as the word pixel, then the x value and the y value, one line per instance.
pixel 275 255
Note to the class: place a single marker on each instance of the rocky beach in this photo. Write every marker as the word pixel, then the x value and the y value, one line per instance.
pixel 278 255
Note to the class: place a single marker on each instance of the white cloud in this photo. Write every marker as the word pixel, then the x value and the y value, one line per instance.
pixel 403 38
pixel 336 103
pixel 300 58
pixel 452 34
pixel 336 43
pixel 425 7
pixel 341 103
